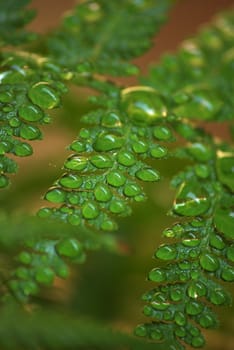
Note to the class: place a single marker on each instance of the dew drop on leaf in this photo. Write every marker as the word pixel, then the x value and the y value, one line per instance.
pixel 109 225
pixel 23 149
pixel 90 210
pixel 218 297
pixel 162 133
pixel 116 178
pixel 29 132
pixel 117 206
pixel 224 222
pixel 78 146
pixel 69 247
pixel 30 112
pixel 193 308
pixel 230 253
pixel 196 289
pixel 209 262
pixel 166 252
pixel 131 189
pixel 45 275
pixel 25 258
pixel 111 120
pixel 180 318
pixel 207 321
pixel 202 171
pixel 44 96
pixel 126 158
pixel 76 163
pixel 71 181
pixel 158 151
pixel 217 242
pixel 3 181
pixel 102 193
pixel 140 331
pixel 108 142
pixel 55 195
pixel 140 146
pixel 14 122
pixel 44 212
pixel 6 96
pixel 156 334
pixel 74 219
pixel 101 161
pixel 227 273
pixel 157 275
pixel 176 294
pixel 143 104
pixel 147 174
pixel 200 152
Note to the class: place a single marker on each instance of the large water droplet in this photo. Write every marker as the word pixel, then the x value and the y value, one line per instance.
pixel 23 149
pixel 216 241
pixel 102 193
pixel 148 174
pixel 143 104
pixel 76 163
pixel 43 95
pixel 69 247
pixel 166 252
pixel 132 189
pixel 71 181
pixel 190 203
pixel 90 210
pixel 45 275
pixel 29 132
pixel 108 142
pixel 140 146
pixel 209 262
pixel 55 195
pixel 126 158
pixel 116 178
pixel 30 112
pixel 102 161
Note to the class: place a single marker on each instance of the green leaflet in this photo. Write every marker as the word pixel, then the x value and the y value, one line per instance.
pixel 14 17
pixel 202 73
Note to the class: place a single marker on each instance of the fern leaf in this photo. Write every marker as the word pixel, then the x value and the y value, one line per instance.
pixel 14 16
pixel 122 30
pixel 202 74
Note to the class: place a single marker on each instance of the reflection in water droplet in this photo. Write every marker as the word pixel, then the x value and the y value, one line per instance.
pixel 43 95
pixel 111 120
pixel 196 289
pixel 143 104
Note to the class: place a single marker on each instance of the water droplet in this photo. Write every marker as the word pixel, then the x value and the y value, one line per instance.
pixel 14 122
pixel 30 132
pixel 45 275
pixel 162 133
pixel 4 181
pixel 69 247
pixel 191 242
pixel 56 195
pixel 76 163
pixel 225 171
pixel 6 96
pixel 90 210
pixel 190 203
pixel 111 120
pixel 193 308
pixel 207 321
pixel 198 342
pixel 131 189
pixel 44 212
pixel 109 225
pixel 156 334
pixel 180 318
pixel 196 289
pixel 23 149
pixel 22 273
pixel 209 262
pixel 180 97
pixel 227 273
pixel 159 305
pixel 44 96
pixel 116 178
pixel 29 288
pixel 62 271
pixel 143 104
pixel 71 181
pixel 107 142
pixel 74 197
pixel 74 219
pixel 157 275
pixel 102 161
pixel 25 258
pixel 5 147
pixel 176 294
pixel 30 112
pixel 140 330
pixel 202 171
pixel 218 296
pixel 216 241
pixel 126 158
pixel 230 253
pixel 180 332
pixel 148 174
pixel 84 133
pixel 117 206
pixel 166 252
pixel 200 152
pixel 158 151
pixel 224 222
pixel 78 146
pixel 147 310
pixel 201 105
pixel 140 146
pixel 102 193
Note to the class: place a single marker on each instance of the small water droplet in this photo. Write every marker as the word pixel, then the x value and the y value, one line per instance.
pixel 4 181
pixel 147 174
pixel 108 142
pixel 227 273
pixel 14 122
pixel 6 96
pixel 162 133
pixel 23 149
pixel 166 252
pixel 56 195
pixel 25 258
pixel 76 163
pixel 207 321
pixel 30 112
pixel 218 296
pixel 74 219
pixel 69 247
pixel 202 171
pixel 45 275
pixel 156 334
pixel 193 308
pixel 230 253
pixel 140 331
pixel 198 342
pixel 90 210
pixel 216 241
pixel 209 262
pixel 5 147
pixel 126 158
pixel 143 104
pixel 78 146
pixel 111 120
pixel 196 289
pixel 117 206
pixel 44 212
pixel 131 189
pixel 200 152
pixel 116 178
pixel 176 294
pixel 157 275
pixel 140 146
pixel 43 95
pixel 180 318
pixel 71 181
pixel 158 151
pixel 102 193
pixel 109 225
pixel 30 132
pixel 102 161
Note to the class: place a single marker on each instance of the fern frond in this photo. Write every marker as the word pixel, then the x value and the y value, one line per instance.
pixel 202 74
pixel 102 36
pixel 14 16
